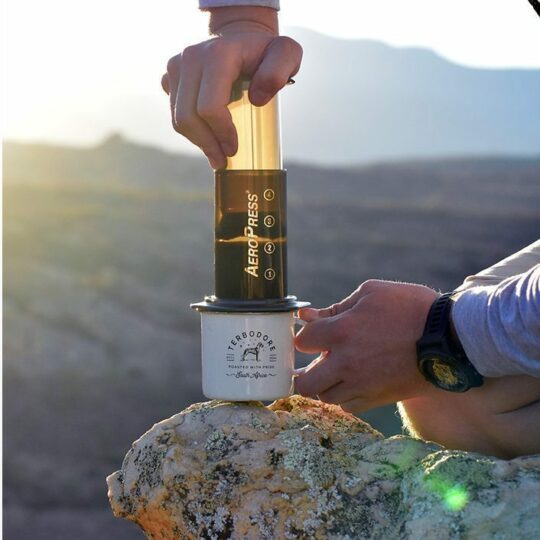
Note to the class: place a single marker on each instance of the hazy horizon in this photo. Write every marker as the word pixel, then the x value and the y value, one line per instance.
pixel 379 103
pixel 95 74
pixel 197 155
pixel 447 110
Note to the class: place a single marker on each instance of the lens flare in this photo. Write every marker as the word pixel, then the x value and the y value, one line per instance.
pixel 456 498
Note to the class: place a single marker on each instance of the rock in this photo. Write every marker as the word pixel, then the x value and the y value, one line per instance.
pixel 304 469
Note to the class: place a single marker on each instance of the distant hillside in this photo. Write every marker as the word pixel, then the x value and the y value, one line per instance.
pixel 358 101
pixel 377 208
pixel 104 249
pixel 355 102
pixel 114 160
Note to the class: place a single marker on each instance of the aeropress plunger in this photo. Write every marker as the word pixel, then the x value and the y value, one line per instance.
pixel 248 324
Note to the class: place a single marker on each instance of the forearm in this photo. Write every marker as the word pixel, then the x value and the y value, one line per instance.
pixel 499 325
pixel 515 264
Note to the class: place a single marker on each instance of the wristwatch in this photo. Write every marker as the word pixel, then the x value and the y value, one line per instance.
pixel 441 358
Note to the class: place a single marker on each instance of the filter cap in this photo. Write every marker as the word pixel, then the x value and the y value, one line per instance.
pixel 212 303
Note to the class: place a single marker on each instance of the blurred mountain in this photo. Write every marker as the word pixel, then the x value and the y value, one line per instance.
pixel 106 247
pixel 114 160
pixel 354 102
pixel 358 101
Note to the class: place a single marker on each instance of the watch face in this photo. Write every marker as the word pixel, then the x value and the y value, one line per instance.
pixel 445 375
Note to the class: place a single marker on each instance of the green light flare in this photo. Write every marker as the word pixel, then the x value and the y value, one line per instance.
pixel 455 498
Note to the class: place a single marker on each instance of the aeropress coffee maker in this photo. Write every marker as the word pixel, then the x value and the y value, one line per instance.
pixel 248 324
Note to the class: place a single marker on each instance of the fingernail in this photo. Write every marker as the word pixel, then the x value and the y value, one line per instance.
pixel 215 163
pixel 308 314
pixel 228 149
pixel 258 97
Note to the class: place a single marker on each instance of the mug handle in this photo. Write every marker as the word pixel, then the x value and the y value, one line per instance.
pixel 299 322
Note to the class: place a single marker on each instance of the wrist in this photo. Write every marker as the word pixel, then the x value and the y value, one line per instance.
pixel 231 20
pixel 441 357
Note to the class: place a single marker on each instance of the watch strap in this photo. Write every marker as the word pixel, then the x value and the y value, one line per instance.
pixel 438 320
pixel 440 353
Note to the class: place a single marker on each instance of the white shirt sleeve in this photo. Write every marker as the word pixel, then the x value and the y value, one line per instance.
pixel 497 316
pixel 209 4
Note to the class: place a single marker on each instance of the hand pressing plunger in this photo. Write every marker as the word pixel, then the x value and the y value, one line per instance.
pixel 199 80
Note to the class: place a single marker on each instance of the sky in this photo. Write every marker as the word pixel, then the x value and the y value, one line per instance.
pixel 77 70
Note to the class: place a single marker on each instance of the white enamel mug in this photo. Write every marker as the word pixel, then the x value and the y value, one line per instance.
pixel 247 356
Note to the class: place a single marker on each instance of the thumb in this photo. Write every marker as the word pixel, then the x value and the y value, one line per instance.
pixel 312 314
pixel 280 62
pixel 340 307
pixel 308 314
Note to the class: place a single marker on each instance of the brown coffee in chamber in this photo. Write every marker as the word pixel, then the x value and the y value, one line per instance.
pixel 250 235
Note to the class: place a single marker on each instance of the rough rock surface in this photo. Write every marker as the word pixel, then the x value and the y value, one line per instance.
pixel 303 469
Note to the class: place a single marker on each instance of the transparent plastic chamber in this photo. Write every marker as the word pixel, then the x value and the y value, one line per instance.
pixel 250 242
pixel 250 212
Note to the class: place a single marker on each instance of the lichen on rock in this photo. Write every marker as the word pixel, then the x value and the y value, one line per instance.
pixel 300 468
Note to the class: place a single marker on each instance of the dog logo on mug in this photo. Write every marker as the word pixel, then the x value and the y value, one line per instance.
pixel 252 353
pixel 249 352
